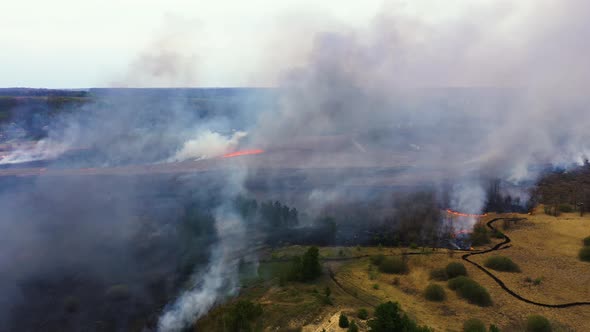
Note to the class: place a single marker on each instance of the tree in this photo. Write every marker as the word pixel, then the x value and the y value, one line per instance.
pixel 353 327
pixel 310 264
pixel 343 321
pixel 390 318
pixel 241 315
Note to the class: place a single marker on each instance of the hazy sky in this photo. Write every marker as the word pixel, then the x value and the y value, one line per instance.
pixel 85 43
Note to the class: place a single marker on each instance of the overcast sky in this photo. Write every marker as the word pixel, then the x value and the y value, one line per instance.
pixel 86 43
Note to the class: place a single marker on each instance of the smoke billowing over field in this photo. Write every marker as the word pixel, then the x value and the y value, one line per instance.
pixel 129 209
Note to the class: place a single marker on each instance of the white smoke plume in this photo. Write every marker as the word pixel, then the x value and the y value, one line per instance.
pixel 208 144
pixel 219 279
pixel 42 150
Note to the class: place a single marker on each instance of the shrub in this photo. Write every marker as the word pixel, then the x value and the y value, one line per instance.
pixel 584 254
pixel 305 268
pixel 439 274
pixel 494 328
pixel 566 208
pixel 470 290
pixel 362 314
pixel 353 327
pixel 413 246
pixel 375 286
pixel 497 234
pixel 393 265
pixel 241 315
pixel 474 325
pixel 536 323
pixel 343 321
pixel 501 263
pixel 377 259
pixel 389 317
pixel 455 269
pixel 586 241
pixel 435 293
pixel 480 235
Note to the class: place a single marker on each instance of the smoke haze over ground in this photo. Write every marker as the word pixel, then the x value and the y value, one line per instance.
pixel 498 91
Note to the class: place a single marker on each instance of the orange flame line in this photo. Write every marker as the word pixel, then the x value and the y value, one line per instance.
pixel 449 211
pixel 242 153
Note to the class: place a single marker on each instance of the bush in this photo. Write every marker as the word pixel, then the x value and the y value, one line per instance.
pixel 584 254
pixel 474 325
pixel 480 235
pixel 353 327
pixel 375 286
pixel 536 323
pixel 393 265
pixel 470 290
pixel 413 246
pixel 377 259
pixel 389 317
pixel 343 321
pixel 241 315
pixel 566 208
pixel 494 328
pixel 586 241
pixel 435 293
pixel 307 267
pixel 362 314
pixel 501 263
pixel 455 269
pixel 439 274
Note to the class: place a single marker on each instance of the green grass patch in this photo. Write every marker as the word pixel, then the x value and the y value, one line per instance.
pixel 474 325
pixel 537 323
pixel 470 290
pixel 439 275
pixel 501 263
pixel 455 269
pixel 393 265
pixel 435 293
pixel 584 254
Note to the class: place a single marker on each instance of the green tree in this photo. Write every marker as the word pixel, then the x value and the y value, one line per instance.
pixel 390 318
pixel 241 315
pixel 353 327
pixel 310 264
pixel 343 321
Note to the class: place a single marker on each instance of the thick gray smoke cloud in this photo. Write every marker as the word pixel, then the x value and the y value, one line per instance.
pixel 493 92
pixel 496 92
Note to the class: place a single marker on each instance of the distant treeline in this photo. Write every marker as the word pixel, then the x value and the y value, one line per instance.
pixel 564 191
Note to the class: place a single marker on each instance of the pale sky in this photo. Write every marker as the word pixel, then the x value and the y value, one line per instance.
pixel 89 43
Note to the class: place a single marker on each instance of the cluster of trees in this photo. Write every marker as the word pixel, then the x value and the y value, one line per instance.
pixel 497 202
pixel 389 317
pixel 241 316
pixel 306 267
pixel 564 191
pixel 270 214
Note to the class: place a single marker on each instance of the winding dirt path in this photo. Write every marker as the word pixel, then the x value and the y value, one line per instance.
pixel 504 245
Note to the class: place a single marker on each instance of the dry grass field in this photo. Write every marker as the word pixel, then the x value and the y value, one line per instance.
pixel 544 247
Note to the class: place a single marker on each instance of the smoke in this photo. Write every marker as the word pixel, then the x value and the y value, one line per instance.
pixel 494 91
pixel 219 279
pixel 41 150
pixel 208 144
pixel 171 59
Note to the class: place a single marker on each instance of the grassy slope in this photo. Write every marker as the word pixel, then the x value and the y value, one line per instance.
pixel 543 246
